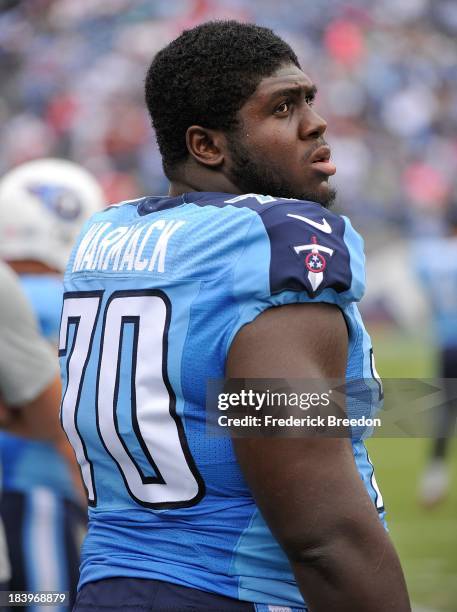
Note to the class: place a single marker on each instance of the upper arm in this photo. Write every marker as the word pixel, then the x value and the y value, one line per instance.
pixel 292 296
pixel 293 341
pixel 27 363
pixel 308 489
pixel 300 333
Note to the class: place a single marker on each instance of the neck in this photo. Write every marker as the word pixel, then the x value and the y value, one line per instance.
pixel 193 177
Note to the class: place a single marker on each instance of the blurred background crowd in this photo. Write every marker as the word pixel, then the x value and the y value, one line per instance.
pixel 72 73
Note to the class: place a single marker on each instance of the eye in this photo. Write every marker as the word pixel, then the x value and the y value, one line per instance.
pixel 283 108
pixel 309 100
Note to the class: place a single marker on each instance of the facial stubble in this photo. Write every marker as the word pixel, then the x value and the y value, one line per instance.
pixel 252 175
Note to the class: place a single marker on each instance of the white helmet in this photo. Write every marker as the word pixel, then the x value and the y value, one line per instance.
pixel 43 204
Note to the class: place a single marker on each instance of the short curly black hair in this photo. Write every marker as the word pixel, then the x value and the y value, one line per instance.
pixel 204 76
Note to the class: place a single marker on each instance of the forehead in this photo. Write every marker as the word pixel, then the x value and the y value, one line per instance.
pixel 284 78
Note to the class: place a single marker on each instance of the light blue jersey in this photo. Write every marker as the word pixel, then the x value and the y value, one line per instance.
pixel 155 292
pixel 45 293
pixel 26 463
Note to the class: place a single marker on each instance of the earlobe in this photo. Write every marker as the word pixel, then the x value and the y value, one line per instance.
pixel 204 145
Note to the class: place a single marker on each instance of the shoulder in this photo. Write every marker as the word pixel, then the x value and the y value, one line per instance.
pixel 311 249
pixel 287 244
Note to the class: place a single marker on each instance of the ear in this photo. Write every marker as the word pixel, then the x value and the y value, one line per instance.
pixel 205 145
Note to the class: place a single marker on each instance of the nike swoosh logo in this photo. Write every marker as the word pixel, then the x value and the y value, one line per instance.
pixel 323 227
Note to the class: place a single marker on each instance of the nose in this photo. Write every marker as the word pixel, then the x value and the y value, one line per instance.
pixel 312 125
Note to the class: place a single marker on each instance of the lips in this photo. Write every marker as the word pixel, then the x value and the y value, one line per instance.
pixel 320 161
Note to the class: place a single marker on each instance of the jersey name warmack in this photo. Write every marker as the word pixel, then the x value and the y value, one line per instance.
pixel 123 249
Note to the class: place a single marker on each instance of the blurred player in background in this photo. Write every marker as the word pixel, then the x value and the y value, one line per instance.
pixel 43 205
pixel 164 293
pixel 437 267
pixel 29 395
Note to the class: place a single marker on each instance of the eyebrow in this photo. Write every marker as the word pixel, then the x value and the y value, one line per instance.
pixel 309 90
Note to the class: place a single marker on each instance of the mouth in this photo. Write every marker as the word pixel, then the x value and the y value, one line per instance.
pixel 320 161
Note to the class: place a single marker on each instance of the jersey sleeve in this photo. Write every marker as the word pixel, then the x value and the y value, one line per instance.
pixel 27 363
pixel 298 252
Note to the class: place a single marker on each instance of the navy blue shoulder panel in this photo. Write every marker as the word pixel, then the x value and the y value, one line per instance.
pixel 253 201
pixel 308 250
pixel 152 204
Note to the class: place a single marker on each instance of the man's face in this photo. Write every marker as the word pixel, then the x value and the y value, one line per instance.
pixel 279 147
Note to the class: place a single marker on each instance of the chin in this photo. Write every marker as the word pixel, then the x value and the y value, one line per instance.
pixel 324 195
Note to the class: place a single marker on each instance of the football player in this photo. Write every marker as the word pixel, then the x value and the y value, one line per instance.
pixel 241 271
pixel 43 204
pixel 440 289
pixel 29 385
